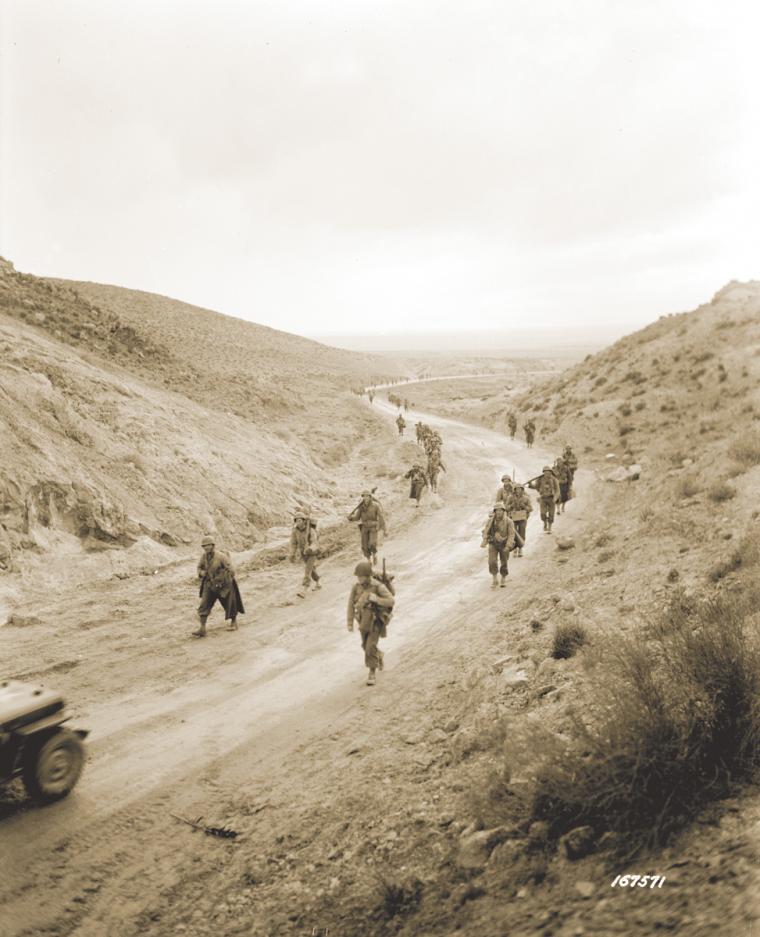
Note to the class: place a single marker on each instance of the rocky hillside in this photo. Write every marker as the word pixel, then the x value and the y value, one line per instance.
pixel 127 419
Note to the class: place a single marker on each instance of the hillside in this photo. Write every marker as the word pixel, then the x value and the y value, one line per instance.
pixel 140 420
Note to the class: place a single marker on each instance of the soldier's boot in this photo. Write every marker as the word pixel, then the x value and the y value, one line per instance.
pixel 503 581
pixel 233 625
pixel 519 551
pixel 549 528
pixel 371 678
pixel 380 660
pixel 201 632
pixel 317 585
pixel 494 581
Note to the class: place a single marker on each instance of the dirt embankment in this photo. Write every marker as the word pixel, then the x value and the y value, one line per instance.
pixel 131 424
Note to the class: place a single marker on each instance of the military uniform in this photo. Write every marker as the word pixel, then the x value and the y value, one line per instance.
pixel 371 605
pixel 563 478
pixel 370 517
pixel 304 544
pixel 218 584
pixel 418 481
pixel 547 487
pixel 499 536
pixel 401 423
pixel 512 420
pixel 519 508
pixel 504 493
pixel 571 461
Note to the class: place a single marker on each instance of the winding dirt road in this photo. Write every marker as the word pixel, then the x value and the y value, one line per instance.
pixel 169 718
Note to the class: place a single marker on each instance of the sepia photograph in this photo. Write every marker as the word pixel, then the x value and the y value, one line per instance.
pixel 379 468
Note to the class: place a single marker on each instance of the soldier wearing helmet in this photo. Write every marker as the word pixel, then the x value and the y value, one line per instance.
pixel 418 482
pixel 547 487
pixel 304 544
pixel 499 537
pixel 217 583
pixel 370 604
pixel 370 516
pixel 504 491
pixel 519 508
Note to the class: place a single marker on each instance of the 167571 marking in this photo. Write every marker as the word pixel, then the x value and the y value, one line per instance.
pixel 640 881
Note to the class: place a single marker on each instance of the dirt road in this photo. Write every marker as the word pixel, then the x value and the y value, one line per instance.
pixel 171 718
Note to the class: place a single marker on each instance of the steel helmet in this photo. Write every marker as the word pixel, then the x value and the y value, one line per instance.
pixel 363 569
pixel 207 541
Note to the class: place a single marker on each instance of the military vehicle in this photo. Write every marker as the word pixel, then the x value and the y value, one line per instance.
pixel 35 745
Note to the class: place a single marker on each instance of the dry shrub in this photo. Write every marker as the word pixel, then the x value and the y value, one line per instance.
pixel 397 898
pixel 721 491
pixel 678 723
pixel 746 451
pixel 568 639
pixel 687 487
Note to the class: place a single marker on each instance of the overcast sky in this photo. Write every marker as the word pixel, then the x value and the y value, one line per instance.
pixel 371 165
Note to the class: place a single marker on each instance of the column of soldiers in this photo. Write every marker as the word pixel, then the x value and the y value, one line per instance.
pixel 505 528
pixel 372 597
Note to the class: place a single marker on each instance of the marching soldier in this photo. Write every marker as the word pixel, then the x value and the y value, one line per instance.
pixel 499 537
pixel 512 421
pixel 563 477
pixel 418 482
pixel 530 432
pixel 304 544
pixel 370 516
pixel 571 461
pixel 435 465
pixel 547 487
pixel 401 423
pixel 504 492
pixel 218 583
pixel 519 508
pixel 371 605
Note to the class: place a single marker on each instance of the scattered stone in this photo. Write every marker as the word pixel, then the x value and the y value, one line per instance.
pixel 505 853
pixel 536 625
pixel 514 677
pixel 498 665
pixel 565 543
pixel 438 735
pixel 538 832
pixel 608 841
pixel 579 842
pixel 585 889
pixel 451 726
pixel 475 847
pixel 544 690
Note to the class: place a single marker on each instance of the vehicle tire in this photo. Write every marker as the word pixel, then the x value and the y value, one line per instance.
pixel 52 767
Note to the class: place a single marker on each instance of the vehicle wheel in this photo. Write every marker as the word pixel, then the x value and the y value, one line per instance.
pixel 52 768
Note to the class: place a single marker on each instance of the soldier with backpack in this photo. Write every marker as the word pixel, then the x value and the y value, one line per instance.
pixel 371 605
pixel 304 544
pixel 401 423
pixel 369 514
pixel 418 482
pixel 512 421
pixel 499 536
pixel 547 487
pixel 519 508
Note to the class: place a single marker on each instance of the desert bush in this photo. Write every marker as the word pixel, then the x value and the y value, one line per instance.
pixel 721 491
pixel 746 451
pixel 641 404
pixel 605 556
pixel 646 514
pixel 678 723
pixel 625 428
pixel 568 639
pixel 704 356
pixel 625 409
pixel 397 898
pixel 687 487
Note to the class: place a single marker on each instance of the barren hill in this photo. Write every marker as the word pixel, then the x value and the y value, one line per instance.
pixel 127 419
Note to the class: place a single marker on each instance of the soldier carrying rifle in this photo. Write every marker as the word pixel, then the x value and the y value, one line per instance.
pixel 371 605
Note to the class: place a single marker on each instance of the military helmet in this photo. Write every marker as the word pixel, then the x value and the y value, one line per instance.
pixel 519 487
pixel 506 478
pixel 547 468
pixel 499 506
pixel 299 515
pixel 366 492
pixel 363 569
pixel 208 541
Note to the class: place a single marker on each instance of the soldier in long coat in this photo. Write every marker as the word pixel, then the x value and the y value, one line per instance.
pixel 418 482
pixel 217 584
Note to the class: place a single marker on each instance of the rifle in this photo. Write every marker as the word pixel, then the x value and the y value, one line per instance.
pixel 372 492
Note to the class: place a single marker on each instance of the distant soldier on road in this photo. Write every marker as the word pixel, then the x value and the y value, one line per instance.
pixel 530 432
pixel 547 487
pixel 418 482
pixel 419 432
pixel 406 405
pixel 371 395
pixel 519 508
pixel 499 537
pixel 512 421
pixel 218 583
pixel 304 544
pixel 401 423
pixel 369 514
pixel 371 605
pixel 435 465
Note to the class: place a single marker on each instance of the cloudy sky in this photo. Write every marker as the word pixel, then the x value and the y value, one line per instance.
pixel 347 166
